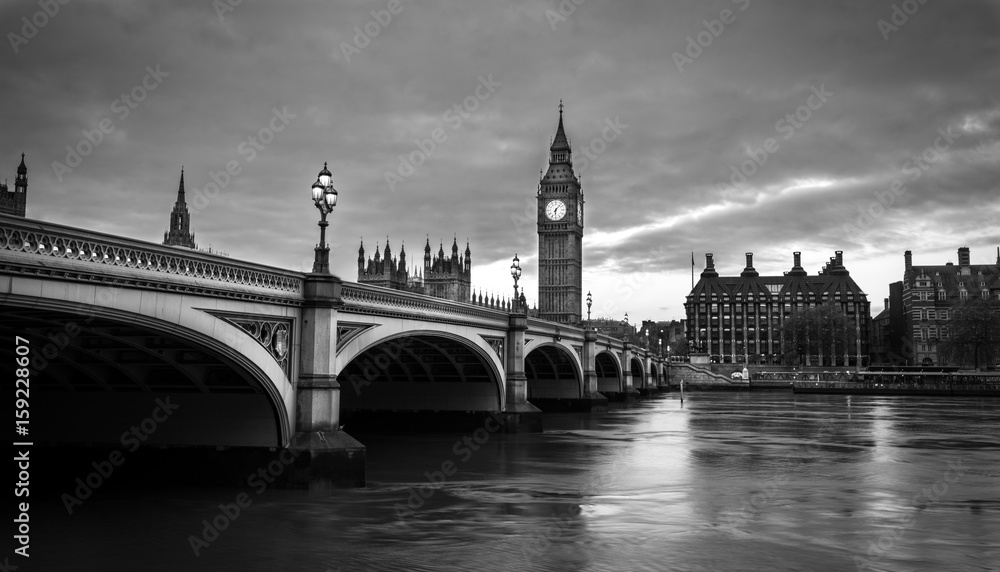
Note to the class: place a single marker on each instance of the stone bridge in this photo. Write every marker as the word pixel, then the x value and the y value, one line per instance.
pixel 254 356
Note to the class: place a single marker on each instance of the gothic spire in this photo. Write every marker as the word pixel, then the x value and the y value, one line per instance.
pixel 180 190
pixel 560 157
pixel 180 221
pixel 561 142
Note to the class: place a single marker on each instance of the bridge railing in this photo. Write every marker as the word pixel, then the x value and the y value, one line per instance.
pixel 20 237
pixel 376 298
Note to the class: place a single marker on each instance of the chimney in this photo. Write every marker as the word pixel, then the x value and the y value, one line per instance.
pixel 709 271
pixel 749 270
pixel 840 258
pixel 908 258
pixel 797 267
pixel 886 304
pixel 963 256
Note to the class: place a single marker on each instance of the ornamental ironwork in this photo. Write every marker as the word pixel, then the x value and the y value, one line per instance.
pixel 274 335
pixel 495 342
pixel 347 331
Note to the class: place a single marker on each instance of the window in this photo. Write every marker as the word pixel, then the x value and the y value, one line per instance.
pixel 931 315
pixel 917 315
pixel 963 295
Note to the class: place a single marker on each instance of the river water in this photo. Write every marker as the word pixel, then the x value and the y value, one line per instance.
pixel 723 481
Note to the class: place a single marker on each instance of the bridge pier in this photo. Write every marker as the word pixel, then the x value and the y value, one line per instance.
pixel 592 398
pixel 629 392
pixel 325 456
pixel 518 413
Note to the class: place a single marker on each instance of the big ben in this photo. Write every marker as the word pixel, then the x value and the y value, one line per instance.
pixel 560 235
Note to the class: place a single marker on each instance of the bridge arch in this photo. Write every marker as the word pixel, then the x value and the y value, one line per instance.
pixel 108 354
pixel 638 373
pixel 426 369
pixel 609 372
pixel 554 373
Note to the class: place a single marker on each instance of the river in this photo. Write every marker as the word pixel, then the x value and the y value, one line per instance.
pixel 766 481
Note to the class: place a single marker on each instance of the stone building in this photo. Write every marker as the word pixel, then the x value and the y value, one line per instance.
pixel 738 319
pixel 443 277
pixel 928 298
pixel 560 235
pixel 179 233
pixel 15 202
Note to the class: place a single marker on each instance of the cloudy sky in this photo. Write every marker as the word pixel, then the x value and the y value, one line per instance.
pixel 758 126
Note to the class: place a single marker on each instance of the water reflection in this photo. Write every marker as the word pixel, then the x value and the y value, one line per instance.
pixel 763 481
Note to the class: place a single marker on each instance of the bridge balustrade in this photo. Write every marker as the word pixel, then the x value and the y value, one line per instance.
pixel 361 296
pixel 22 236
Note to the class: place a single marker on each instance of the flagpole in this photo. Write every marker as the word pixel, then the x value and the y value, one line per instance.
pixel 692 270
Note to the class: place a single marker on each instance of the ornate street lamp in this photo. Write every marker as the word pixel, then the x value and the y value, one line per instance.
pixel 515 272
pixel 590 302
pixel 325 198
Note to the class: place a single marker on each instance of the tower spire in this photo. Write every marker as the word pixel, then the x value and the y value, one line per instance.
pixel 15 203
pixel 561 142
pixel 180 190
pixel 180 221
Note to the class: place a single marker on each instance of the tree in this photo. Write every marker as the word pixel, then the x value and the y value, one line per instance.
pixel 819 330
pixel 975 334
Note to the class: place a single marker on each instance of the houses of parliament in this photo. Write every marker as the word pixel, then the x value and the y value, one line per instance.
pixel 14 202
pixel 442 277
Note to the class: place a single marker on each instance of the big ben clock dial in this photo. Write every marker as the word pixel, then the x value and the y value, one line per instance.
pixel 555 210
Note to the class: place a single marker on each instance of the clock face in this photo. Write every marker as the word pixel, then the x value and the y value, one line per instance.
pixel 555 210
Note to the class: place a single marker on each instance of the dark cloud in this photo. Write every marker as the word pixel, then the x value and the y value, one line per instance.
pixel 655 194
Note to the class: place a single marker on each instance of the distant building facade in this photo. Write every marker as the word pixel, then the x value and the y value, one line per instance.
pixel 179 231
pixel 737 319
pixel 888 344
pixel 664 334
pixel 15 202
pixel 928 298
pixel 619 329
pixel 443 277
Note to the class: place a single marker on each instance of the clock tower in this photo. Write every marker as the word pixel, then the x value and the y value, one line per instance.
pixel 560 235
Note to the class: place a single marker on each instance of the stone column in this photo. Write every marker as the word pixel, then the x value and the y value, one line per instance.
pixel 629 390
pixel 325 455
pixel 651 383
pixel 590 393
pixel 518 414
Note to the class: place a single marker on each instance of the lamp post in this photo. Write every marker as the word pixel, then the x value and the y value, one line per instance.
pixel 668 365
pixel 325 198
pixel 590 302
pixel 515 272
pixel 625 327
